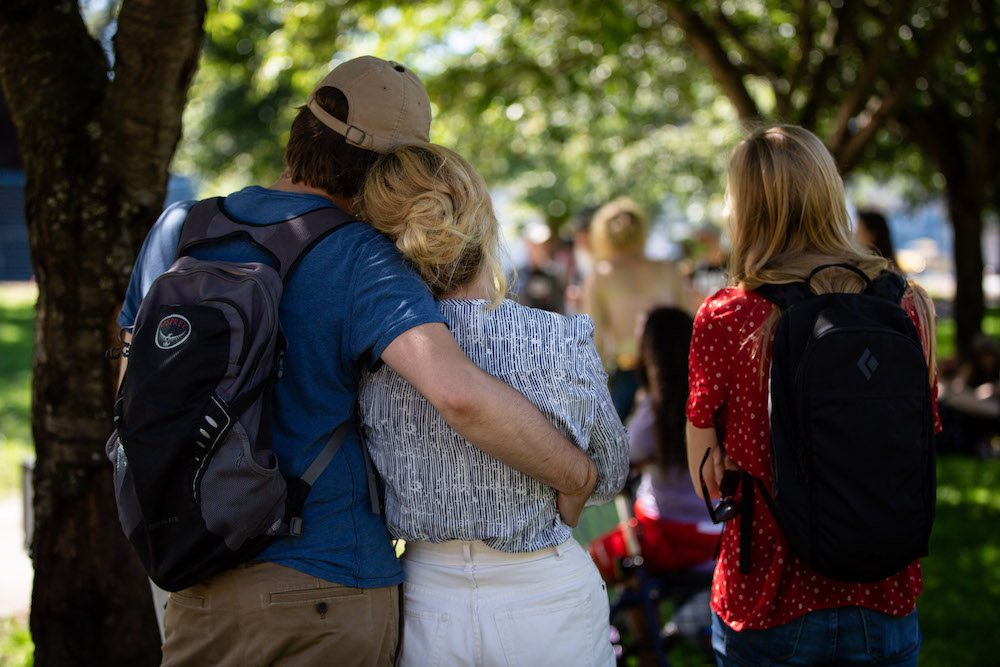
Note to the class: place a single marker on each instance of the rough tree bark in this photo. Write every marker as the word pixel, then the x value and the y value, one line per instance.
pixel 96 143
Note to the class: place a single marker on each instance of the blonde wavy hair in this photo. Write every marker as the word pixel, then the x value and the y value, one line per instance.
pixel 619 227
pixel 435 207
pixel 788 215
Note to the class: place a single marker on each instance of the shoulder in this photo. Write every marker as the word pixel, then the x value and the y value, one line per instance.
pixel 169 224
pixel 513 317
pixel 733 303
pixel 361 243
pixel 578 327
pixel 917 301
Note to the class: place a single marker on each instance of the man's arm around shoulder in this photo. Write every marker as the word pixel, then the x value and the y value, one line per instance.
pixel 492 415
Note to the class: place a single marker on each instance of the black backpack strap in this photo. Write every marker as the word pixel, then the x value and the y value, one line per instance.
pixel 841 265
pixel 286 241
pixel 299 488
pixel 888 285
pixel 374 482
pixel 193 230
pixel 785 294
pixel 747 484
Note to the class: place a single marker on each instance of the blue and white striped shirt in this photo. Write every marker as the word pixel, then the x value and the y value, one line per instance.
pixel 440 487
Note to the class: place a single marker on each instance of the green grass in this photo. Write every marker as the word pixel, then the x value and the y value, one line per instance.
pixel 946 332
pixel 17 307
pixel 960 605
pixel 16 647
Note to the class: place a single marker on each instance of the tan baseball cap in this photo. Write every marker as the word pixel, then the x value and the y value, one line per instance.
pixel 388 106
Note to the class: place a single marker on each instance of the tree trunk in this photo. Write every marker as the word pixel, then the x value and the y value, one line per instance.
pixel 963 161
pixel 966 210
pixel 96 150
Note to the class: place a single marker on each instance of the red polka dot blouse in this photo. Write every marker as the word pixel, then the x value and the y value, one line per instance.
pixel 727 391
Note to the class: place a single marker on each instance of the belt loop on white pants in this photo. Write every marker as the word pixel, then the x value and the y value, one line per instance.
pixel 561 550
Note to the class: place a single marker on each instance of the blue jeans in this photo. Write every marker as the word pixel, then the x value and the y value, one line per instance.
pixel 840 636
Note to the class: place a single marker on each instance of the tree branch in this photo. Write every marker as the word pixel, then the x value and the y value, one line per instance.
pixel 839 34
pixel 143 109
pixel 707 46
pixel 53 73
pixel 805 44
pixel 758 64
pixel 847 153
pixel 870 73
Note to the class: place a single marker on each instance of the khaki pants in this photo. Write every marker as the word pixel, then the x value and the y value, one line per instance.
pixel 268 614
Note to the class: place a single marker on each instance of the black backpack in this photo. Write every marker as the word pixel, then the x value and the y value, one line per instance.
pixel 852 431
pixel 196 481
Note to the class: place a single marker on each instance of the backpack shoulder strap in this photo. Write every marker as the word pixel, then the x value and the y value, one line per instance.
pixel 299 489
pixel 888 285
pixel 195 226
pixel 747 483
pixel 286 241
pixel 785 294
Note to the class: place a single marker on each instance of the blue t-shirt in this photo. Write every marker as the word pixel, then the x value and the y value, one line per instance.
pixel 350 296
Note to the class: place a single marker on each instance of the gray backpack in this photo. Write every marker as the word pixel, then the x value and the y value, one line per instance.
pixel 196 481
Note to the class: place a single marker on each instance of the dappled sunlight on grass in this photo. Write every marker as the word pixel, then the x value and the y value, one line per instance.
pixel 961 599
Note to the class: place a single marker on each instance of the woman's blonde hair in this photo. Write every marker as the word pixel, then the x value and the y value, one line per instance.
pixel 618 227
pixel 435 207
pixel 788 216
pixel 788 213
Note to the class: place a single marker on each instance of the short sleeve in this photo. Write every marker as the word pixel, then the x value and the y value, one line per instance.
pixel 155 257
pixel 388 299
pixel 608 445
pixel 708 365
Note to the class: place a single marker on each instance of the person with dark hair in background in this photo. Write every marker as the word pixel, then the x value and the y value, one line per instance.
pixel 331 595
pixel 873 232
pixel 579 262
pixel 672 530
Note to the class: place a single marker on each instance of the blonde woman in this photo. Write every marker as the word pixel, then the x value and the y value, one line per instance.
pixel 492 574
pixel 624 286
pixel 787 216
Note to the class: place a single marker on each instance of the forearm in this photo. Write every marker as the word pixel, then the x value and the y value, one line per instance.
pixel 698 440
pixel 500 421
pixel 487 412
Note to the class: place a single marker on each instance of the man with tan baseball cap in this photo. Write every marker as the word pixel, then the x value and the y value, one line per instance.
pixel 331 595
pixel 387 104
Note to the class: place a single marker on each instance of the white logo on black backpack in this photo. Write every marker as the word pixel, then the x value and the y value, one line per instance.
pixel 172 331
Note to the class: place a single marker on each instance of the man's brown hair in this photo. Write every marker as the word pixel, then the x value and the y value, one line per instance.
pixel 319 157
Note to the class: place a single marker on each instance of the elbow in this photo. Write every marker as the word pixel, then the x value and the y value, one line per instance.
pixel 456 407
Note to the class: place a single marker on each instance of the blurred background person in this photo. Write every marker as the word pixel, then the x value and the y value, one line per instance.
pixel 707 268
pixel 624 285
pixel 872 232
pixel 580 261
pixel 670 528
pixel 673 532
pixel 540 282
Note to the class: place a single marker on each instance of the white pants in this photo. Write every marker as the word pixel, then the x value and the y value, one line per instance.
pixel 468 604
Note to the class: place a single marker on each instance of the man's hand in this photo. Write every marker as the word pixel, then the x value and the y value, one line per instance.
pixel 570 505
